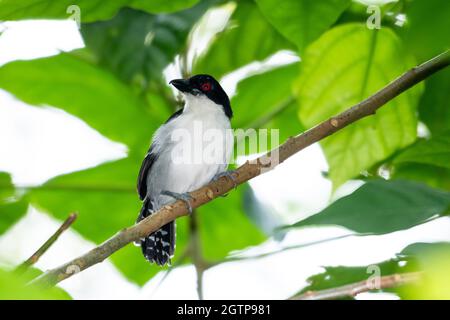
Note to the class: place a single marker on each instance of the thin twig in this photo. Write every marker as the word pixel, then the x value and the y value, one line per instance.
pixel 258 123
pixel 249 170
pixel 351 290
pixel 281 250
pixel 47 244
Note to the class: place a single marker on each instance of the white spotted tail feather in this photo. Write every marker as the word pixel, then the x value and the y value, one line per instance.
pixel 159 246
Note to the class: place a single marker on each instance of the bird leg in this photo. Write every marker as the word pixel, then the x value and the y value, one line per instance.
pixel 228 174
pixel 185 197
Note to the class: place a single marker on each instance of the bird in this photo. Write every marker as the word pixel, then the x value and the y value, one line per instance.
pixel 192 148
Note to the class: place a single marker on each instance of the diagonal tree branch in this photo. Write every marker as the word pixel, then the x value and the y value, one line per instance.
pixel 351 290
pixel 249 170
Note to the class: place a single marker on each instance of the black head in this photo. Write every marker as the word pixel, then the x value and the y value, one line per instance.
pixel 203 84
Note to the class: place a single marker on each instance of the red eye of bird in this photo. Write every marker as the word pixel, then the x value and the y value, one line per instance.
pixel 206 86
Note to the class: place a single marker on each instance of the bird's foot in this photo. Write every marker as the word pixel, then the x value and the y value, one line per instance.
pixel 228 174
pixel 185 197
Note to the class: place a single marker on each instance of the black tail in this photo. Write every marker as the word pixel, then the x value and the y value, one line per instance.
pixel 159 246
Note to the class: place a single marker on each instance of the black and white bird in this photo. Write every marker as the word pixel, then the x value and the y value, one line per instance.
pixel 169 171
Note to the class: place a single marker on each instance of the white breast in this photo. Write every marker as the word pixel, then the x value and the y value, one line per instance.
pixel 191 149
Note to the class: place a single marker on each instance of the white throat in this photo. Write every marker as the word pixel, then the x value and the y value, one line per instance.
pixel 200 104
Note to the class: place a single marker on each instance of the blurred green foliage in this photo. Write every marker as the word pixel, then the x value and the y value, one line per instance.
pixel 381 206
pixel 431 257
pixel 12 207
pixel 336 86
pixel 116 85
pixel 247 37
pixel 16 287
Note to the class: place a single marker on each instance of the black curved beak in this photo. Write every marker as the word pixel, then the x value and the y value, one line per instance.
pixel 182 84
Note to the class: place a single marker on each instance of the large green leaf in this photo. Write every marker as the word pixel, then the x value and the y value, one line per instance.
pixel 10 213
pixel 435 151
pixel 160 6
pixel 13 287
pixel 12 208
pixel 247 38
pixel 434 107
pixel 90 10
pixel 106 201
pixel 435 177
pixel 264 216
pixel 433 259
pixel 265 101
pixel 7 188
pixel 85 91
pixel 422 251
pixel 333 277
pixel 259 96
pixel 302 21
pixel 381 206
pixel 335 76
pixel 415 257
pixel 426 33
pixel 224 227
pixel 136 45
pixel 427 161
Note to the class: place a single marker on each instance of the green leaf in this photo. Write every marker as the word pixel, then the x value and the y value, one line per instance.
pixel 160 6
pixel 434 106
pixel 10 213
pixel 423 251
pixel 90 10
pixel 264 216
pixel 6 187
pixel 136 45
pixel 335 76
pixel 13 287
pixel 265 101
pixel 435 151
pixel 257 97
pixel 219 238
pixel 426 33
pixel 381 206
pixel 333 277
pixel 433 259
pixel 302 21
pixel 418 257
pixel 427 161
pixel 106 201
pixel 11 207
pixel 435 177
pixel 83 90
pixel 227 52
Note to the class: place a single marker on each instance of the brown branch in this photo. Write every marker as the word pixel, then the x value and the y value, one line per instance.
pixel 351 290
pixel 47 244
pixel 249 170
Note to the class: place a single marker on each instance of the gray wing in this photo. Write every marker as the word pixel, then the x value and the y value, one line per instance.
pixel 148 162
pixel 146 166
